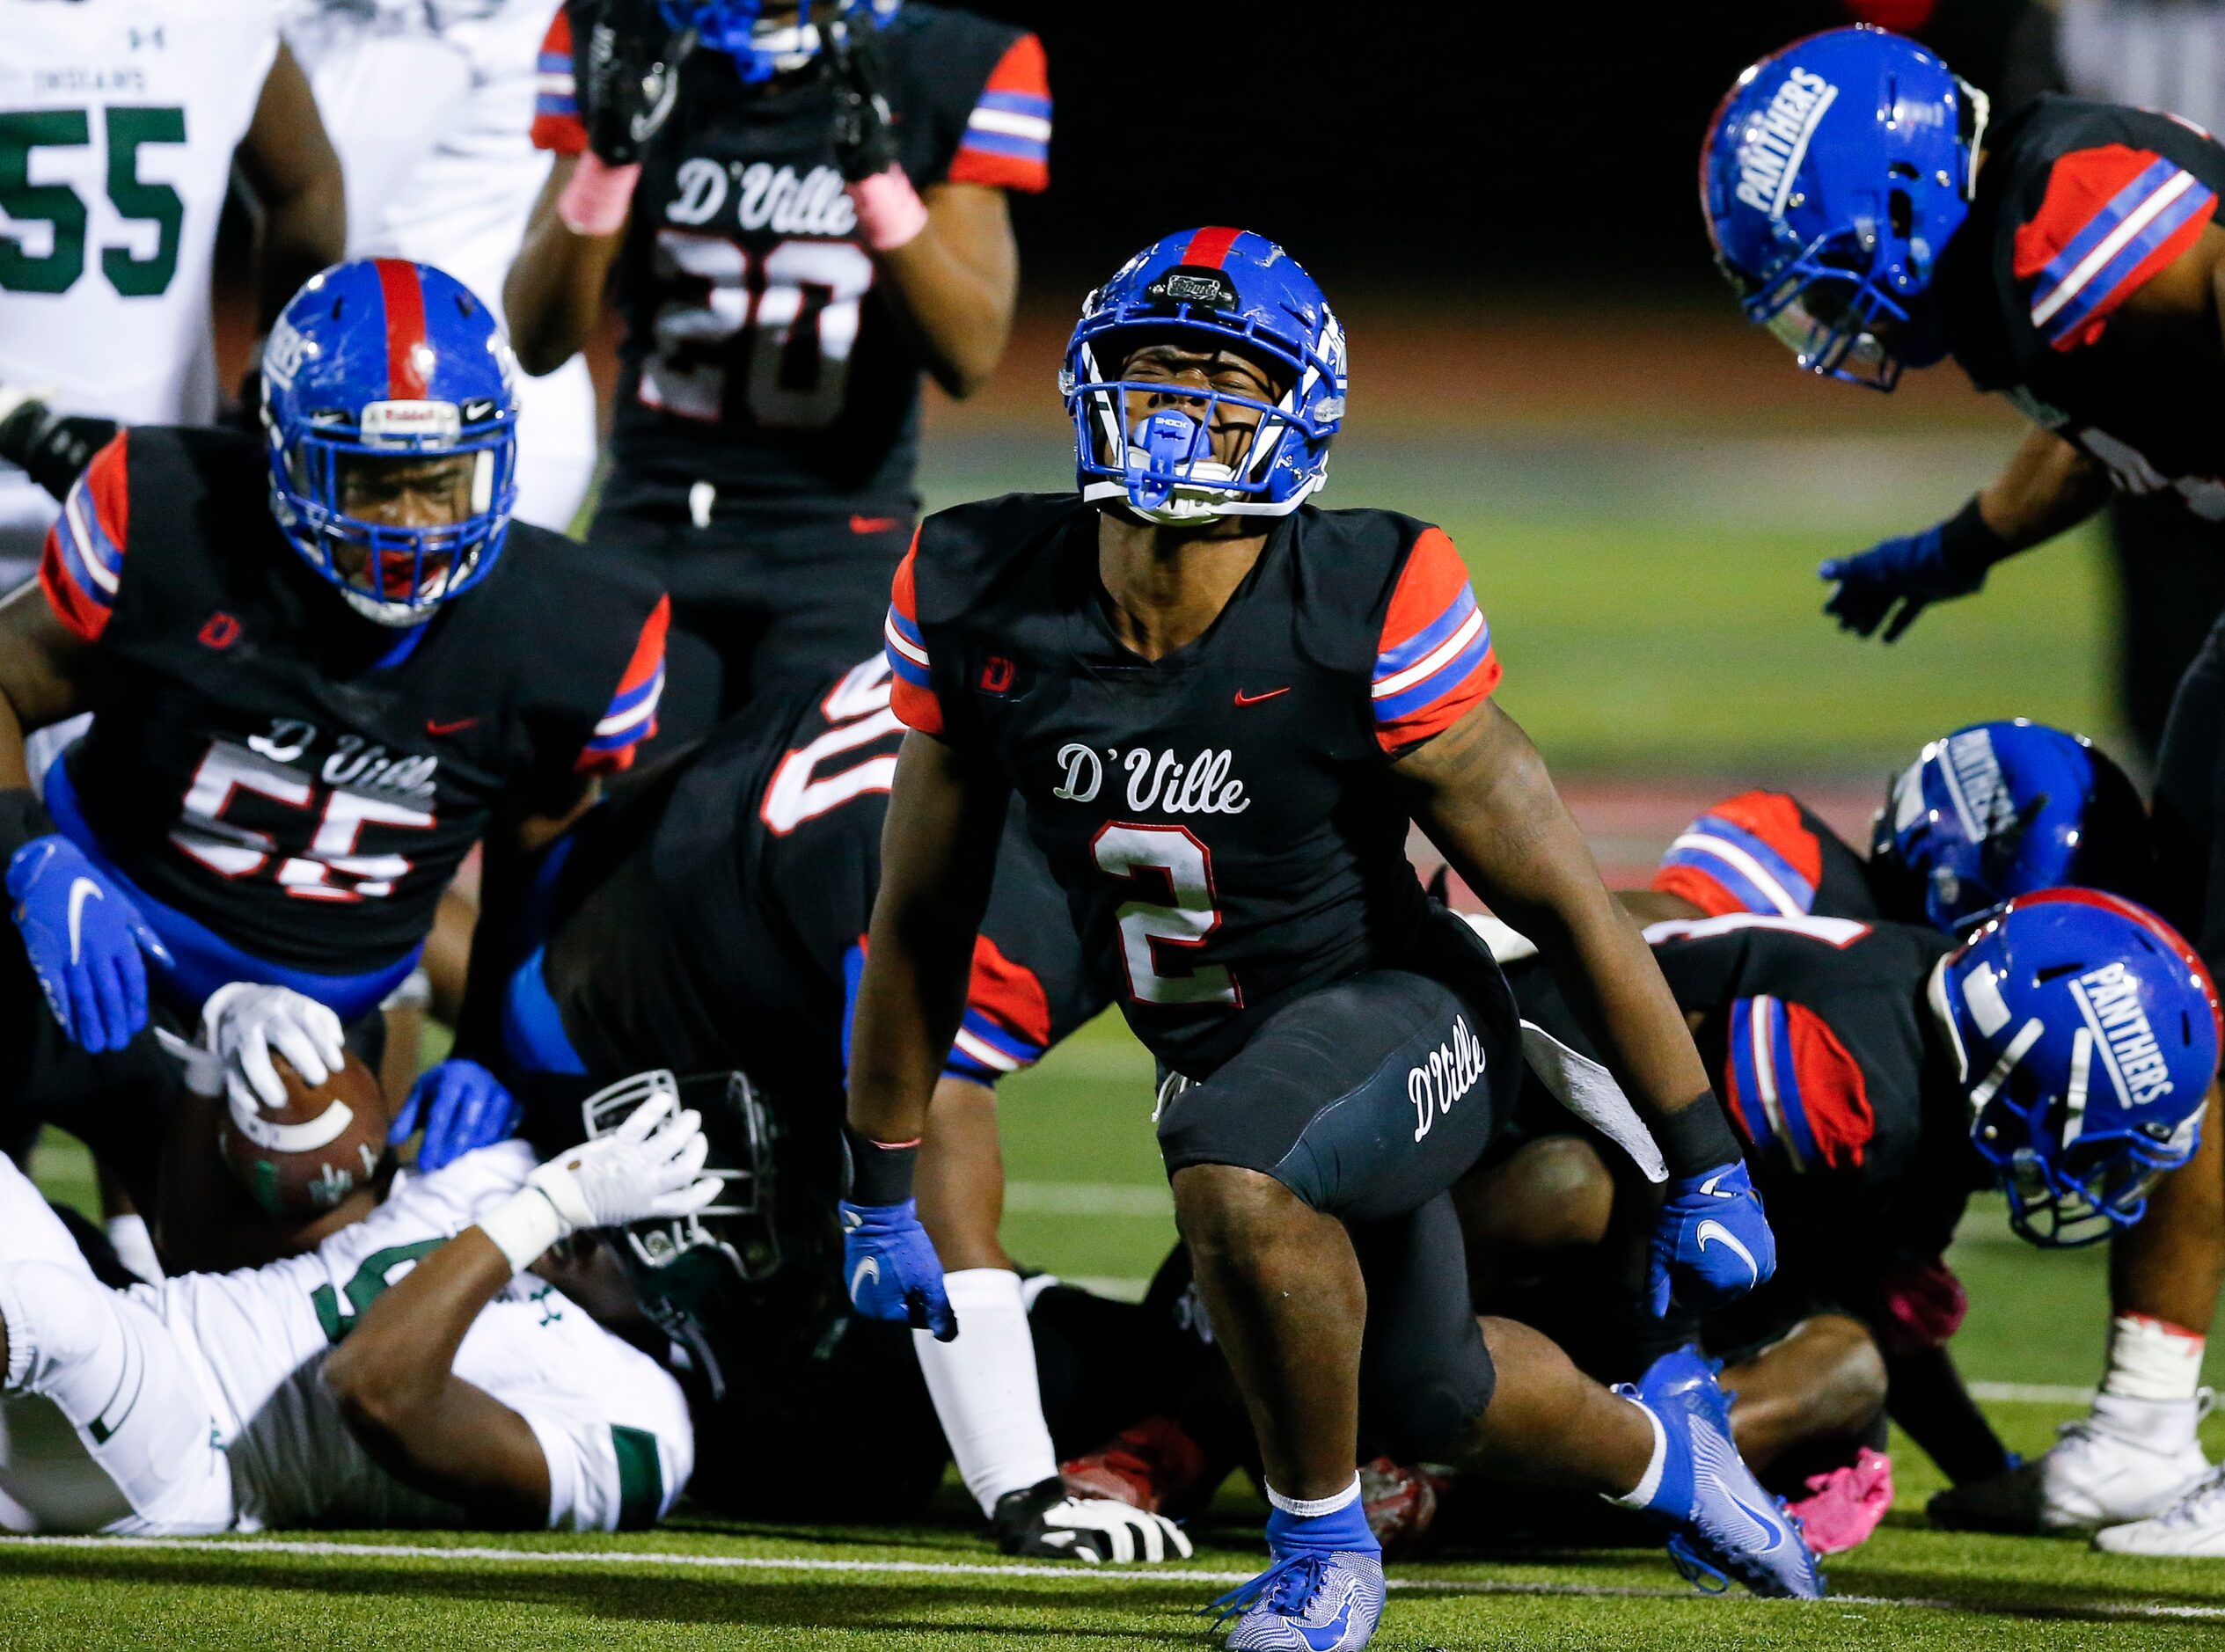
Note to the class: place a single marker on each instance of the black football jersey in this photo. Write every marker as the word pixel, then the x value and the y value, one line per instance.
pixel 1823 1050
pixel 285 775
pixel 713 913
pixel 1769 853
pixel 1224 821
pixel 758 354
pixel 2078 205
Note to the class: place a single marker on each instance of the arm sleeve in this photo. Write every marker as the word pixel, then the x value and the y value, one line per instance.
pixel 1006 141
pixel 1749 853
pixel 1793 1090
pixel 911 690
pixel 631 717
pixel 556 108
pixel 604 1476
pixel 2113 218
pixel 1434 659
pixel 82 563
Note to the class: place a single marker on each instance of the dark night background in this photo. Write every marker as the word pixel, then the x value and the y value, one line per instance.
pixel 1427 144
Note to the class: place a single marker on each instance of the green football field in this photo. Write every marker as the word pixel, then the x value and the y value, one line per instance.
pixel 1088 1201
pixel 1655 643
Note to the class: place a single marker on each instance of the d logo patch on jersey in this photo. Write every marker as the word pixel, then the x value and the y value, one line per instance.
pixel 1001 678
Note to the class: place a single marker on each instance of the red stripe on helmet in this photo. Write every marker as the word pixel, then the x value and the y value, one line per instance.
pixel 404 296
pixel 1209 247
pixel 2146 920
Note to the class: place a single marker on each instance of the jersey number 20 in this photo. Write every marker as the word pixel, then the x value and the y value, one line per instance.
pixel 787 321
pixel 1173 908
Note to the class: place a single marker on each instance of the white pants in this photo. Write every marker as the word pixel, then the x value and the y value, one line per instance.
pixel 104 1426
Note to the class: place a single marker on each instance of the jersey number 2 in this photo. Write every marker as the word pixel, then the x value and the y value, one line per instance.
pixel 1173 908
pixel 787 320
pixel 59 208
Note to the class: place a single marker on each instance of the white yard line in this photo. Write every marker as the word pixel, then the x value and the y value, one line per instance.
pixel 471 1556
pixel 2032 1393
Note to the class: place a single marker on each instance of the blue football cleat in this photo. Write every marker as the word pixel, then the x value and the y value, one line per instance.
pixel 1307 1603
pixel 1722 1524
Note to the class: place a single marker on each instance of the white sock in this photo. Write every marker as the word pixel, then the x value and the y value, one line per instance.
pixel 1649 1487
pixel 983 1387
pixel 1315 1508
pixel 2152 1359
pixel 135 1246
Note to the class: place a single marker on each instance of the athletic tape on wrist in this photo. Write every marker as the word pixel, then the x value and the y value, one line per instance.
pixel 596 196
pixel 523 1227
pixel 889 210
pixel 880 1172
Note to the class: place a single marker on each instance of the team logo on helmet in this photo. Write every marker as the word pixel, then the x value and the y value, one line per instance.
pixel 1769 157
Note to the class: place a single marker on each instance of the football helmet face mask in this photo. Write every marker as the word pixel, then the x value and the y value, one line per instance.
pixel 383 362
pixel 1832 179
pixel 2085 1032
pixel 762 47
pixel 1204 290
pixel 1999 809
pixel 692 1273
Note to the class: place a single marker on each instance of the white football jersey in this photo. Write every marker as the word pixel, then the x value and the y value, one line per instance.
pixel 430 105
pixel 118 120
pixel 611 1422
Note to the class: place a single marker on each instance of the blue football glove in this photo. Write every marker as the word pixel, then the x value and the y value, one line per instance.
pixel 84 936
pixel 892 1268
pixel 1712 1242
pixel 1914 572
pixel 468 1107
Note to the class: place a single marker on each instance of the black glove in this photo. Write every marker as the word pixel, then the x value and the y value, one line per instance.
pixel 52 448
pixel 863 147
pixel 626 71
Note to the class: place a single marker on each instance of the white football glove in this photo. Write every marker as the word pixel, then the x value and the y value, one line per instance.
pixel 647 1167
pixel 1043 1521
pixel 243 1023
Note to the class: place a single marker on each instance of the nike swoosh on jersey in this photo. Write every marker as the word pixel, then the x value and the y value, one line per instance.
pixel 869 1269
pixel 1243 699
pixel 874 524
pixel 80 888
pixel 433 725
pixel 1716 1232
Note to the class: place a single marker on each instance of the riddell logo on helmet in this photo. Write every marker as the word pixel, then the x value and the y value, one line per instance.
pixel 2109 998
pixel 1775 144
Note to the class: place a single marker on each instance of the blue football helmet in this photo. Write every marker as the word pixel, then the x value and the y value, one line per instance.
pixel 760 50
pixel 1998 809
pixel 383 357
pixel 2086 1032
pixel 1832 176
pixel 1211 289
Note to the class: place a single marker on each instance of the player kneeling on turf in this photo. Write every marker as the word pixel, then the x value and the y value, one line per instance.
pixel 408 1371
pixel 1222 710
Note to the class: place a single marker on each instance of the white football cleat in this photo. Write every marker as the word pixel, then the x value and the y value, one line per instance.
pixel 2127 1461
pixel 2193 1527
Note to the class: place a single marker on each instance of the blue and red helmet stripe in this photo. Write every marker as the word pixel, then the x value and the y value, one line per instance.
pixel 406 353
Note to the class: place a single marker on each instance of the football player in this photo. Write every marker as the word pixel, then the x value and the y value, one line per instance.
pixel 1879 1074
pixel 322 666
pixel 411 1371
pixel 709 916
pixel 1872 214
pixel 1221 710
pixel 432 108
pixel 131 122
pixel 819 219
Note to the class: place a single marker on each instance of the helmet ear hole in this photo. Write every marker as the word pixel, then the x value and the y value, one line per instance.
pixel 1900 212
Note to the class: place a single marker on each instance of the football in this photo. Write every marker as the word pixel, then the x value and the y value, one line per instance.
pixel 304 1158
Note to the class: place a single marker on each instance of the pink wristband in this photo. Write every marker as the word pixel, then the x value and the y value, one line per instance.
pixel 889 210
pixel 595 201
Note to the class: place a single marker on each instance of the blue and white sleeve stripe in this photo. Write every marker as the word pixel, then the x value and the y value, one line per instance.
pixel 1433 662
pixel 1746 865
pixel 2137 222
pixel 1766 1082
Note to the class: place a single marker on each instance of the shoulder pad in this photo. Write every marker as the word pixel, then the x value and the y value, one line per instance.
pixel 960 553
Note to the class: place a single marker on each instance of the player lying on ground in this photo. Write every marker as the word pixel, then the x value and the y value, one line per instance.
pixel 2068 257
pixel 710 916
pixel 796 219
pixel 1221 713
pixel 318 680
pixel 411 1370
